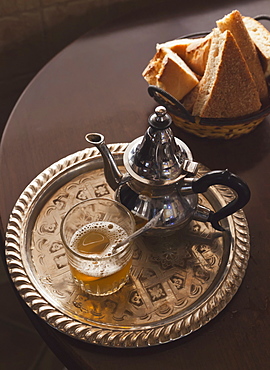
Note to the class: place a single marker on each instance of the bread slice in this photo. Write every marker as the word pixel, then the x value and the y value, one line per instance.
pixel 233 22
pixel 227 88
pixel 178 46
pixel 197 54
pixel 168 71
pixel 194 52
pixel 152 69
pixel 261 38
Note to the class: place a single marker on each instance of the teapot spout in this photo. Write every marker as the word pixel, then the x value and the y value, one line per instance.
pixel 112 174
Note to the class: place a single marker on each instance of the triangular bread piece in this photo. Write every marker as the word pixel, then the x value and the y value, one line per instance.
pixel 261 38
pixel 194 52
pixel 178 46
pixel 227 88
pixel 168 71
pixel 233 22
pixel 197 54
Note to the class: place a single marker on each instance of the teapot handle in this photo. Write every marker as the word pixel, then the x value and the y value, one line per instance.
pixel 226 178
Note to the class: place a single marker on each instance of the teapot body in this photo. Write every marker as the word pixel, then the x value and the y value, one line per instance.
pixel 153 181
pixel 145 201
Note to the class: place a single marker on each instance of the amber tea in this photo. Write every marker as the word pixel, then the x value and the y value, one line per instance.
pixel 107 271
pixel 97 267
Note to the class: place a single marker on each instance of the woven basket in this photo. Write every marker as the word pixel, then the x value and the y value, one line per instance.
pixel 214 128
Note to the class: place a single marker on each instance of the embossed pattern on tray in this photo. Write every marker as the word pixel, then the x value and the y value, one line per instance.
pixel 177 284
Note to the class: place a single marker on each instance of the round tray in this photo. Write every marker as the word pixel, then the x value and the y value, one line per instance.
pixel 177 283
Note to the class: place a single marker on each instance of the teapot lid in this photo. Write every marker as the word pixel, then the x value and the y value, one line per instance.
pixel 158 157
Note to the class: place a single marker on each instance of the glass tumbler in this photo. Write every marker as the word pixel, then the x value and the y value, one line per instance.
pixel 89 231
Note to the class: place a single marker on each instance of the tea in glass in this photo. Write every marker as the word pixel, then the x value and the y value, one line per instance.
pixel 90 231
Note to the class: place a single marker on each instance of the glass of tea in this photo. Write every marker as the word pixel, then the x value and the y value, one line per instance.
pixel 90 231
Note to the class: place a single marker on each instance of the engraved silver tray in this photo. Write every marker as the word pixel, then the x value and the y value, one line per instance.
pixel 178 283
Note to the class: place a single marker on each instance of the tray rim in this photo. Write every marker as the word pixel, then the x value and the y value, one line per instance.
pixel 118 337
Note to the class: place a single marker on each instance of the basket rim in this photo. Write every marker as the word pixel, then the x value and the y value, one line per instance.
pixel 174 109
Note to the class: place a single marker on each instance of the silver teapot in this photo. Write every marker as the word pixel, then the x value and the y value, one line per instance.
pixel 161 175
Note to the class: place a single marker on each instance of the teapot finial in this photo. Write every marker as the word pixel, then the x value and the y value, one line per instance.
pixel 160 119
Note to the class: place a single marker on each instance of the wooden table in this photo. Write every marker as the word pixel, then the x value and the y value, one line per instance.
pixel 95 84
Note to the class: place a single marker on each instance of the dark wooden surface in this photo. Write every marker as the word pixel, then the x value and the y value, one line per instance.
pixel 95 84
